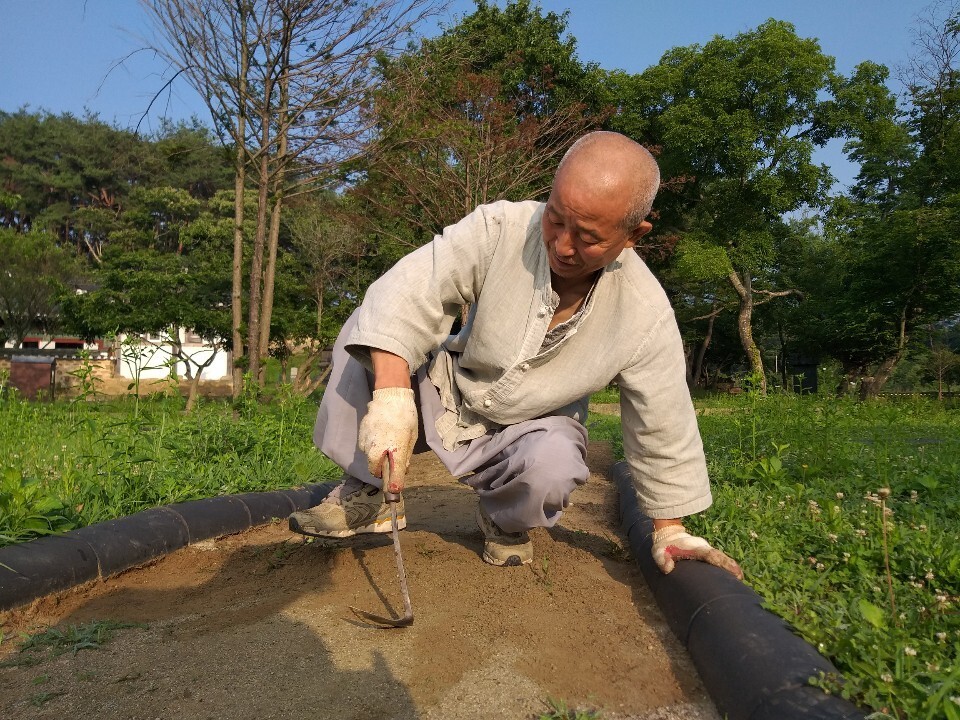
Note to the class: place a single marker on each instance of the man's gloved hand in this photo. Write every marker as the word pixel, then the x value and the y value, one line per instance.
pixel 673 543
pixel 390 425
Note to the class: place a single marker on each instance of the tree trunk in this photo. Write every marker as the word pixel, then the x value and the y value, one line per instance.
pixel 256 259
pixel 192 395
pixel 269 274
pixel 870 387
pixel 236 296
pixel 266 313
pixel 697 370
pixel 744 290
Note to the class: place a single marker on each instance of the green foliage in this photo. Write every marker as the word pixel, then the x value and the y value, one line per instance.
pixel 796 483
pixel 28 510
pixel 481 113
pixel 559 710
pixel 36 272
pixel 74 638
pixel 68 465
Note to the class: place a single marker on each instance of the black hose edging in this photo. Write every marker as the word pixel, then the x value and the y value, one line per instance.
pixel 752 664
pixel 57 562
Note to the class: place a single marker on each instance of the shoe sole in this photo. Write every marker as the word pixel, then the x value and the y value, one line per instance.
pixel 382 526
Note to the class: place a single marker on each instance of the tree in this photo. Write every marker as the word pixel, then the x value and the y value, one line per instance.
pixel 283 80
pixel 480 113
pixel 736 122
pixel 159 293
pixel 898 230
pixel 35 274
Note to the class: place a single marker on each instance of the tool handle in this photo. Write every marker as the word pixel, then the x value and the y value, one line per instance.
pixel 387 471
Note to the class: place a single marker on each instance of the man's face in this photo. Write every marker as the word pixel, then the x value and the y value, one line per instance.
pixel 583 228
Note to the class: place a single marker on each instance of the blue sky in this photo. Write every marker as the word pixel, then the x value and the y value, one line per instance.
pixel 63 55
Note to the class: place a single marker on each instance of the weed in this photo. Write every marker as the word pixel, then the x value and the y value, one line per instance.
pixel 559 710
pixel 75 638
pixel 42 698
pixel 21 661
pixel 427 552
pixel 616 550
pixel 87 381
pixel 543 574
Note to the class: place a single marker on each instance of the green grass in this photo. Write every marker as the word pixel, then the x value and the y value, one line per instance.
pixel 66 465
pixel 559 710
pixel 797 500
pixel 57 641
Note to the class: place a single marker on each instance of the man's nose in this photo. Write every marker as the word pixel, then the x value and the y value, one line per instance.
pixel 564 245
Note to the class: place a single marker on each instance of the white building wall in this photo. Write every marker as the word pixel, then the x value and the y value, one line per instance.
pixel 153 356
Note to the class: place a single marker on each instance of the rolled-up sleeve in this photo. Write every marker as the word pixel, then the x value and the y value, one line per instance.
pixel 661 439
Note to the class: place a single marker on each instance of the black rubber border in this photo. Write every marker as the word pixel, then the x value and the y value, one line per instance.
pixel 752 664
pixel 50 564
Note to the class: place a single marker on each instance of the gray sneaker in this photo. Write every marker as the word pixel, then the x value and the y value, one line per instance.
pixel 503 548
pixel 351 508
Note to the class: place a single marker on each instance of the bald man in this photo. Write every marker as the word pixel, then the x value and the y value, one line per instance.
pixel 560 306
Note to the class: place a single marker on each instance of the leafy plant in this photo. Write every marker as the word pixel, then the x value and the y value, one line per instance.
pixel 74 638
pixel 559 710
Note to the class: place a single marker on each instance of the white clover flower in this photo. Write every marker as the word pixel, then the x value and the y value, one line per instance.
pixel 955 699
pixel 781 503
pixel 941 637
pixel 910 651
pixel 753 535
pixel 839 496
pixel 922 528
pixel 820 566
pixel 861 532
pixel 929 575
pixel 887 677
pixel 832 537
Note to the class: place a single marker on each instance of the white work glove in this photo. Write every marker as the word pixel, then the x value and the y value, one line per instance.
pixel 390 426
pixel 673 542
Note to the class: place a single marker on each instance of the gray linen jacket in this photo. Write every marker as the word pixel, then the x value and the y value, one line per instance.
pixel 493 373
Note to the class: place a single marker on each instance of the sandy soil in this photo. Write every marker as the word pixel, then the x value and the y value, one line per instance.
pixel 256 626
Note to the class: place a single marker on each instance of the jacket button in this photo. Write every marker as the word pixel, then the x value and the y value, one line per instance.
pixel 487 402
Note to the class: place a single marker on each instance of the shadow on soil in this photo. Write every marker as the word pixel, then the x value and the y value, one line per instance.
pixel 251 639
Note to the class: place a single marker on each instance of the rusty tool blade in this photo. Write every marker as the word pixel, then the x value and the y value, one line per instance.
pixel 407 619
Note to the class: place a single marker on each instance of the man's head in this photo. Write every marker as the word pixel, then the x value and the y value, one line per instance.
pixel 601 195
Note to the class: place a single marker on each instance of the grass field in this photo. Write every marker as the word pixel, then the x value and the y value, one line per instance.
pixel 800 486
pixel 844 515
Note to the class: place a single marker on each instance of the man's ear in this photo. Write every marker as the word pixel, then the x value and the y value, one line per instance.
pixel 638 232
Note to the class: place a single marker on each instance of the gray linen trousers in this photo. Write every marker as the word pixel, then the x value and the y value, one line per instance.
pixel 523 473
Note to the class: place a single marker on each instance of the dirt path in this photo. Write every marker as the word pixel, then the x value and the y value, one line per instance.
pixel 256 626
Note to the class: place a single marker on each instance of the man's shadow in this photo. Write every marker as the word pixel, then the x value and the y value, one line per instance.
pixel 263 635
